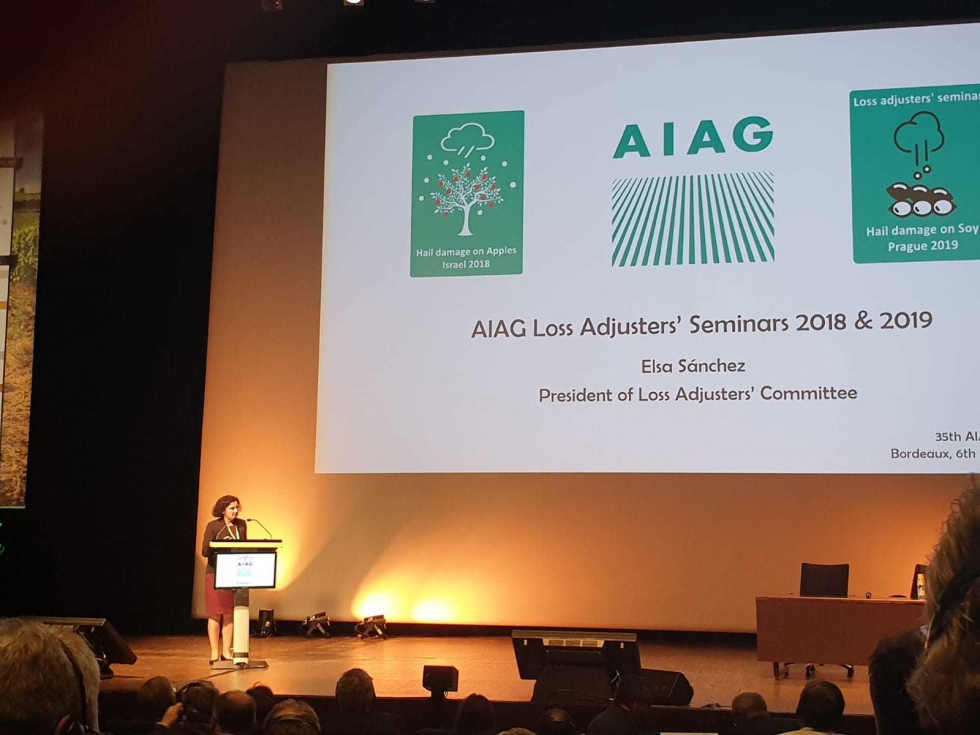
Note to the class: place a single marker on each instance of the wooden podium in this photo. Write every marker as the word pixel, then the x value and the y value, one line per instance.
pixel 242 566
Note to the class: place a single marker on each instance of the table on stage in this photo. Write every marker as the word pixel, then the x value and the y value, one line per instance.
pixel 829 630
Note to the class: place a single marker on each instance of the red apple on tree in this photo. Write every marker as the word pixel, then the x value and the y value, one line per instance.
pixel 464 198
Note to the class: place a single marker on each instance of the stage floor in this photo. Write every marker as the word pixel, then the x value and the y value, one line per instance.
pixel 310 667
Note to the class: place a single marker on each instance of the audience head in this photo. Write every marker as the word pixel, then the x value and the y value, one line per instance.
pixel 946 684
pixel 821 705
pixel 47 674
pixel 748 706
pixel 291 717
pixel 556 722
pixel 264 700
pixel 889 670
pixel 633 692
pixel 234 713
pixel 198 698
pixel 355 692
pixel 154 697
pixel 475 715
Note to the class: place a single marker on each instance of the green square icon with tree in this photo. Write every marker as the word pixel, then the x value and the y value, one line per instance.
pixel 468 194
pixel 915 187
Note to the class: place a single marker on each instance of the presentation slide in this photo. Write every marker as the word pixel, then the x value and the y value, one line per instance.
pixel 730 256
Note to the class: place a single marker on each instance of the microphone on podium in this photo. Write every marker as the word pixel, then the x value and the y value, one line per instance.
pixel 256 520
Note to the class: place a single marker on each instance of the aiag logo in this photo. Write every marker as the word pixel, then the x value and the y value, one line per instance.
pixel 692 218
pixel 751 134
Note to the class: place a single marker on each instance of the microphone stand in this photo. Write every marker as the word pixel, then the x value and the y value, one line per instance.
pixel 256 520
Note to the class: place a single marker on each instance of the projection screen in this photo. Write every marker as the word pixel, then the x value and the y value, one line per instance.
pixel 371 399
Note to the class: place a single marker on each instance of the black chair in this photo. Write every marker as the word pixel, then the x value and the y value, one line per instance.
pixel 824 580
pixel 821 580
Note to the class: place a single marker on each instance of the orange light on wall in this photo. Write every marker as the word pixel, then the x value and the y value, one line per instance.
pixel 434 610
pixel 407 597
pixel 383 601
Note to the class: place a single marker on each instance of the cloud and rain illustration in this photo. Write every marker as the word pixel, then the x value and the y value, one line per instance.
pixel 920 138
pixel 463 188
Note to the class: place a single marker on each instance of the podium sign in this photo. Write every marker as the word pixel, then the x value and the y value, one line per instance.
pixel 243 565
pixel 252 570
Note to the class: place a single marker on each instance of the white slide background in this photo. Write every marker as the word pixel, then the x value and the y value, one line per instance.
pixel 404 388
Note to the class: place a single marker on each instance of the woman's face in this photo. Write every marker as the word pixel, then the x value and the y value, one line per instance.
pixel 231 512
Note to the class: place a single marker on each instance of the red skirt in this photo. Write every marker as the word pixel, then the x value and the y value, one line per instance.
pixel 217 602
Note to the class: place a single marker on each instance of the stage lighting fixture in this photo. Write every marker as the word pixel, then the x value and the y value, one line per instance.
pixel 266 623
pixel 316 624
pixel 271 5
pixel 439 680
pixel 374 626
pixel 354 3
pixel 426 2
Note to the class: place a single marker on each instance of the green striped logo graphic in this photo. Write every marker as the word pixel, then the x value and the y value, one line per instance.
pixel 677 220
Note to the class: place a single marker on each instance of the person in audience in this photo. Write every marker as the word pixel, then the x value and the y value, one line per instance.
pixel 820 709
pixel 264 702
pixel 748 706
pixel 750 716
pixel 291 717
pixel 891 665
pixel 172 721
pixel 946 683
pixel 234 714
pixel 49 678
pixel 628 710
pixel 154 698
pixel 475 716
pixel 556 722
pixel 355 700
pixel 197 698
pixel 220 604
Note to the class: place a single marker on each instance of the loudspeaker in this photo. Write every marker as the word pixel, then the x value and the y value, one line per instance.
pixel 440 679
pixel 669 687
pixel 266 625
pixel 572 684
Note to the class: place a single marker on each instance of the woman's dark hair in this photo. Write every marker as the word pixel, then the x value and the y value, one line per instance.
pixel 475 715
pixel 946 683
pixel 223 502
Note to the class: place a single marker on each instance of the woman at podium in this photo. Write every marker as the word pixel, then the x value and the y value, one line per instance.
pixel 226 526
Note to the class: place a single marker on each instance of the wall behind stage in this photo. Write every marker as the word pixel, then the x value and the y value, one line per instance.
pixel 672 552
